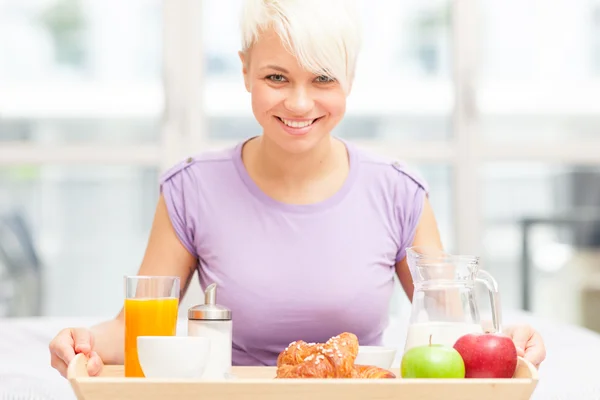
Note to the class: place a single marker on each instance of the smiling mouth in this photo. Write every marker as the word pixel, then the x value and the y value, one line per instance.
pixel 298 124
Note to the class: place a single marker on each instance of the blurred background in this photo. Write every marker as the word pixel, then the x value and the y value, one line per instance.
pixel 495 102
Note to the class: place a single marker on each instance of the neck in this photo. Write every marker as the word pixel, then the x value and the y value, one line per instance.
pixel 275 164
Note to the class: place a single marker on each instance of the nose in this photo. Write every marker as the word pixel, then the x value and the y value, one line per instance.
pixel 299 100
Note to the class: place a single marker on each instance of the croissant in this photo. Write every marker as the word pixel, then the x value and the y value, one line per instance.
pixel 373 372
pixel 332 359
pixel 295 353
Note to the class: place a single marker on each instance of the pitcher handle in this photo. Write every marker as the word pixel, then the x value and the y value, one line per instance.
pixel 492 286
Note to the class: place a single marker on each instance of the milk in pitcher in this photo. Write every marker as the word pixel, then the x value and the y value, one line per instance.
pixel 445 333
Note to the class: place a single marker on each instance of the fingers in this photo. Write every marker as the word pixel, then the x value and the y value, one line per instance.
pixel 529 343
pixel 82 339
pixel 520 336
pixel 520 352
pixel 94 364
pixel 535 352
pixel 70 342
pixel 58 364
pixel 62 346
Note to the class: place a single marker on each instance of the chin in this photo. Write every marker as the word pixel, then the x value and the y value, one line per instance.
pixel 299 145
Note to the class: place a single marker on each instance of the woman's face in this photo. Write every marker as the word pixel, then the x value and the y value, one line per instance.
pixel 295 108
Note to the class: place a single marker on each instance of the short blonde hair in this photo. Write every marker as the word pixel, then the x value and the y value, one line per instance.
pixel 324 35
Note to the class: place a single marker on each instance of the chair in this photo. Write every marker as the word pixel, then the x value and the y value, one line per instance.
pixel 21 280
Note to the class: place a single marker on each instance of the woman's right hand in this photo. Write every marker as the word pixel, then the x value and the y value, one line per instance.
pixel 71 341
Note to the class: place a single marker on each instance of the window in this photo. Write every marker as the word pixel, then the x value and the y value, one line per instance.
pixel 539 131
pixel 100 96
pixel 539 79
pixel 90 225
pixel 65 81
pixel 543 232
pixel 80 134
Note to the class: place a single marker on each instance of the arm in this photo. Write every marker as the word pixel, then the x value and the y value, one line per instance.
pixel 446 301
pixel 165 255
pixel 427 235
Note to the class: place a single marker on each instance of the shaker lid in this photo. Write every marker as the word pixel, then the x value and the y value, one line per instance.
pixel 210 310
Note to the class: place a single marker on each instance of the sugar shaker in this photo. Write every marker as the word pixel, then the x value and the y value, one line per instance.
pixel 214 322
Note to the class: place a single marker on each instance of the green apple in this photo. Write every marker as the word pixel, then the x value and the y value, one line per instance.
pixel 432 361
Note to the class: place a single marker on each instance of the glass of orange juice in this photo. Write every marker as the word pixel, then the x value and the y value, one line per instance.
pixel 151 304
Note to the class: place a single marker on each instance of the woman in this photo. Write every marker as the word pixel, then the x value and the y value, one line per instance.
pixel 302 232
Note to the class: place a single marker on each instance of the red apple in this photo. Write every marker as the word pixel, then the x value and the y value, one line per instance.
pixel 487 355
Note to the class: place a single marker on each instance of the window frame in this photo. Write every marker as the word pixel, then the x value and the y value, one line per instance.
pixel 184 122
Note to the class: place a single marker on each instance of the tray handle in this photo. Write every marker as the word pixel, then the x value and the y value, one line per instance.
pixel 78 367
pixel 525 369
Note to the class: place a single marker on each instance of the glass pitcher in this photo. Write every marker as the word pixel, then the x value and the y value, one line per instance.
pixel 444 303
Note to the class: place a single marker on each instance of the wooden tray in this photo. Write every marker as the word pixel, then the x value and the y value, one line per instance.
pixel 257 383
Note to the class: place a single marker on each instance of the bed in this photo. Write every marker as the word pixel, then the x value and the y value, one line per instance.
pixel 569 372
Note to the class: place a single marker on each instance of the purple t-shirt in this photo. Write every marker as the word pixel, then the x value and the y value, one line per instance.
pixel 291 272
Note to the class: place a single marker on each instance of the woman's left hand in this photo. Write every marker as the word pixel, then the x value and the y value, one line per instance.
pixel 529 343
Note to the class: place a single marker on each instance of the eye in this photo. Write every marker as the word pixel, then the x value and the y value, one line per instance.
pixel 325 79
pixel 278 78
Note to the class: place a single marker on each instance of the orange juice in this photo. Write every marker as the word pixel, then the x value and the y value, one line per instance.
pixel 146 317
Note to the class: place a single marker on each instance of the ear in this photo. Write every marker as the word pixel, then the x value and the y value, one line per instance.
pixel 244 60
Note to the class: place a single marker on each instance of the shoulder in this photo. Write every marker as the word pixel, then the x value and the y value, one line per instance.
pixel 194 165
pixel 395 171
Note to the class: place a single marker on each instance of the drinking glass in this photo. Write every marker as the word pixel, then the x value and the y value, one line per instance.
pixel 151 304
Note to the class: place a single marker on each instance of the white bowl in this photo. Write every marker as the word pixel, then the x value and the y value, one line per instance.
pixel 176 357
pixel 380 356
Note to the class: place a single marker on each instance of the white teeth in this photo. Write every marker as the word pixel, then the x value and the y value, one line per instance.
pixel 297 124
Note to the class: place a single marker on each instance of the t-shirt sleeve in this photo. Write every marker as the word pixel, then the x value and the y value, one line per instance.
pixel 178 189
pixel 411 192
